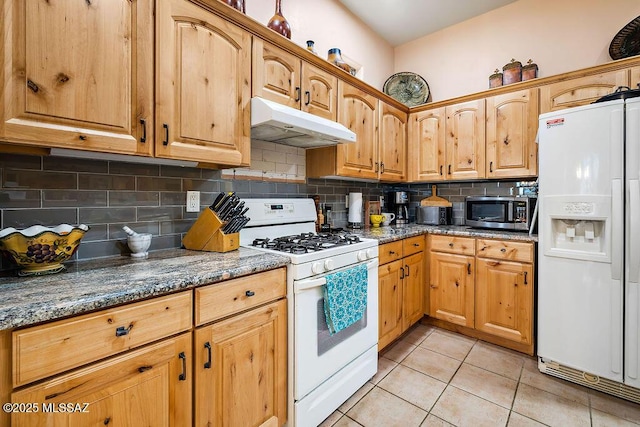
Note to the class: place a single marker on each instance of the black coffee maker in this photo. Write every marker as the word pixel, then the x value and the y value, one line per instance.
pixel 399 205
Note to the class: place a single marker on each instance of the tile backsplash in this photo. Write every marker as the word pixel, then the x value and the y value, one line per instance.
pixel 106 195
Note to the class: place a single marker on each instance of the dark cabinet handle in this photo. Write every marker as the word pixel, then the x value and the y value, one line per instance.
pixel 451 244
pixel 449 169
pixel 416 244
pixel 377 168
pixel 249 293
pixel 440 170
pixel 391 252
pixel 503 250
pixel 490 166
pixel 401 274
pixel 407 273
pixel 146 368
pixel 207 364
pixel 382 167
pixel 183 375
pixel 122 331
pixel 166 134
pixel 307 94
pixel 469 268
pixel 525 278
pixel 143 138
pixel 31 85
pixel 297 94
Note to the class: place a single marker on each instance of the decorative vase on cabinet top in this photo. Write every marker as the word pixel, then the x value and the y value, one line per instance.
pixel 335 57
pixel 236 4
pixel 279 23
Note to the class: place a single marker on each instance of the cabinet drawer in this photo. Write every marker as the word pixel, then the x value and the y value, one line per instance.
pixel 413 245
pixel 454 245
pixel 505 249
pixel 41 351
pixel 220 300
pixel 390 252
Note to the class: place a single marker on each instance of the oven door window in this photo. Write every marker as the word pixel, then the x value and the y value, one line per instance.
pixel 487 211
pixel 325 340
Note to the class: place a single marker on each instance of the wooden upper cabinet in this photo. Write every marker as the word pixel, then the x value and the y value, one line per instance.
pixel 580 91
pixel 79 75
pixel 203 86
pixel 393 143
pixel 512 123
pixel 284 78
pixel 427 145
pixel 358 111
pixel 465 139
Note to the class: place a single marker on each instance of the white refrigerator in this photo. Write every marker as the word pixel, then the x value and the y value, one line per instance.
pixel 589 246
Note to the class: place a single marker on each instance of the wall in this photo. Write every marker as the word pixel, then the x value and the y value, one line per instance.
pixel 330 24
pixel 559 36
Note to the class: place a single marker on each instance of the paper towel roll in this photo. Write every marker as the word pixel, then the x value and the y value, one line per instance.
pixel 355 207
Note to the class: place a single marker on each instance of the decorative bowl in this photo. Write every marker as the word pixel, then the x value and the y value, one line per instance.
pixel 41 250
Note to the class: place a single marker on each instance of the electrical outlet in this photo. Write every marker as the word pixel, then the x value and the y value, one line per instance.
pixel 193 201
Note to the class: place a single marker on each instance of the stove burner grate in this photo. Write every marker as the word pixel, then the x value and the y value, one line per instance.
pixel 306 242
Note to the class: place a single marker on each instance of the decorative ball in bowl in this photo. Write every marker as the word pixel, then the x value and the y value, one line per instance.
pixel 376 220
pixel 41 250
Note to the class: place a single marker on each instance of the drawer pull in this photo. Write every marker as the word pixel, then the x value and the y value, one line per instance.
pixel 146 368
pixel 416 244
pixel 183 375
pixel 503 250
pixel 451 244
pixel 392 253
pixel 207 364
pixel 122 331
pixel 249 293
pixel 106 421
pixel 433 287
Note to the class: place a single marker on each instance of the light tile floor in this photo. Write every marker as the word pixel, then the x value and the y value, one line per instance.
pixel 432 377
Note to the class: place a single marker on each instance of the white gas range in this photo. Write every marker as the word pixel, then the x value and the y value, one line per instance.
pixel 324 369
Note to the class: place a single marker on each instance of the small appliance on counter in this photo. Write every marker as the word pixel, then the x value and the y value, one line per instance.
pixel 399 205
pixel 500 212
pixel 434 210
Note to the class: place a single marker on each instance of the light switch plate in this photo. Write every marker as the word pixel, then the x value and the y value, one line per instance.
pixel 193 201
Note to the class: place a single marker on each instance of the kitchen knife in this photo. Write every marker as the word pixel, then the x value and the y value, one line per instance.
pixel 228 207
pixel 216 201
pixel 224 205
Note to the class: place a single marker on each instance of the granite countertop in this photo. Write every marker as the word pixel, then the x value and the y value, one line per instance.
pixel 101 283
pixel 390 234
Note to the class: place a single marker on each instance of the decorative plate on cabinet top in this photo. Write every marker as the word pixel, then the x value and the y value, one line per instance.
pixel 408 88
pixel 627 42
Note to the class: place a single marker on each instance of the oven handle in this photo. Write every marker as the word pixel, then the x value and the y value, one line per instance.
pixel 305 285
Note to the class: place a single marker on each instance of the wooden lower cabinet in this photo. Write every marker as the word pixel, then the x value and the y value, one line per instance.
pixel 150 386
pixel 452 287
pixel 400 288
pixel 483 288
pixel 504 299
pixel 240 368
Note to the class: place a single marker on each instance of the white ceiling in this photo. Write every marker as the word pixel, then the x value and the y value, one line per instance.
pixel 399 21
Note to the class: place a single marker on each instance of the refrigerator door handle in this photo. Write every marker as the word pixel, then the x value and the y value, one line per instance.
pixel 634 230
pixel 617 206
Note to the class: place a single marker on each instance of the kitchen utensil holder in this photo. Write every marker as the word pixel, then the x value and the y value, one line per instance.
pixel 206 235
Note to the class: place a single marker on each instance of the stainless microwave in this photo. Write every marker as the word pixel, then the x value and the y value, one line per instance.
pixel 500 212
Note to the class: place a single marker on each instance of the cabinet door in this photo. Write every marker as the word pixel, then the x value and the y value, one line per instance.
pixel 512 123
pixel 580 91
pixel 452 287
pixel 79 75
pixel 504 300
pixel 427 145
pixel 241 368
pixel 465 138
pixel 389 302
pixel 393 143
pixel 276 74
pixel 634 81
pixel 319 92
pixel 203 90
pixel 413 290
pixel 150 386
pixel 358 111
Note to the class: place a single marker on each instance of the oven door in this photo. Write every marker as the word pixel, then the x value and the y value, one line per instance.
pixel 317 354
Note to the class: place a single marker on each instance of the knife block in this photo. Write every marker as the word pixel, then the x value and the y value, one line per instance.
pixel 205 235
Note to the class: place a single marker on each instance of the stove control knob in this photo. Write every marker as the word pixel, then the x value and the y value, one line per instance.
pixel 329 265
pixel 317 268
pixel 371 253
pixel 362 256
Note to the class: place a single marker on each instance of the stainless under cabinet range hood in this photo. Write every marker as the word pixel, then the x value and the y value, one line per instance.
pixel 278 123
